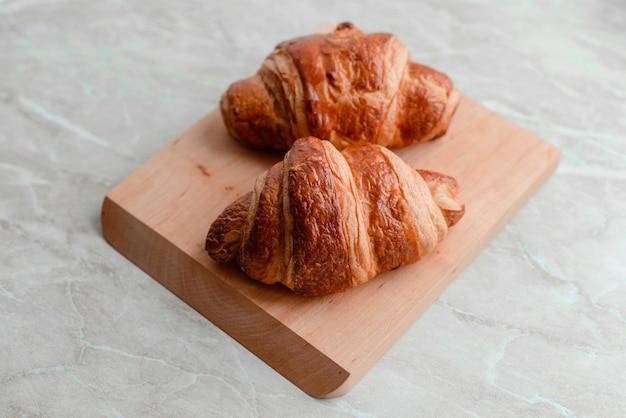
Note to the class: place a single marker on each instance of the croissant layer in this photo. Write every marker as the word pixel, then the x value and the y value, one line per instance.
pixel 321 221
pixel 346 87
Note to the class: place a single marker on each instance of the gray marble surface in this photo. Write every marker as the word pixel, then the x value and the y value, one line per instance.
pixel 89 90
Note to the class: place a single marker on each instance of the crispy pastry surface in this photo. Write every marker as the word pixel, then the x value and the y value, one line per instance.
pixel 322 221
pixel 346 87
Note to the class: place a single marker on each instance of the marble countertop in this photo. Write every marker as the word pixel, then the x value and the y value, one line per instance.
pixel 535 326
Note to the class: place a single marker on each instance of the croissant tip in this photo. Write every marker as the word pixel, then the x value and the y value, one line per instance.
pixel 456 216
pixel 345 26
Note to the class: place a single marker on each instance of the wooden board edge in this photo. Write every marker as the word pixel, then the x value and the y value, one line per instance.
pixel 152 252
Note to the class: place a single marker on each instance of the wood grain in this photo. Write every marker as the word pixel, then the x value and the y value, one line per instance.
pixel 158 218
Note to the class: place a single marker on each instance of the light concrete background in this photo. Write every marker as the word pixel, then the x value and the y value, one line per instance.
pixel 89 90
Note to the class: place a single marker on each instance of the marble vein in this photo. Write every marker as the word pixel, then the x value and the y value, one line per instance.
pixel 21 176
pixel 548 272
pixel 61 121
pixel 606 221
pixel 497 357
pixel 86 344
pixel 346 407
pixel 253 402
pixel 10 295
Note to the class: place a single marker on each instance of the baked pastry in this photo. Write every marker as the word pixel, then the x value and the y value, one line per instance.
pixel 321 221
pixel 345 87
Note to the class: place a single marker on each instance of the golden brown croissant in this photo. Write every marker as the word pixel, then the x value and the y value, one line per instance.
pixel 345 87
pixel 321 221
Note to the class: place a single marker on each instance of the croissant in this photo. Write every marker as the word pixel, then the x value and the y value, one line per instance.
pixel 345 87
pixel 321 221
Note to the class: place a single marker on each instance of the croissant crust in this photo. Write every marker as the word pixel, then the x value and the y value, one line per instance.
pixel 321 221
pixel 346 87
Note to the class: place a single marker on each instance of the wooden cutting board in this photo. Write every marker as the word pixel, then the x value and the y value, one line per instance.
pixel 158 218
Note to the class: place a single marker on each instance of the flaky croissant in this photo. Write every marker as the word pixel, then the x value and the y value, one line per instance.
pixel 345 87
pixel 321 221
